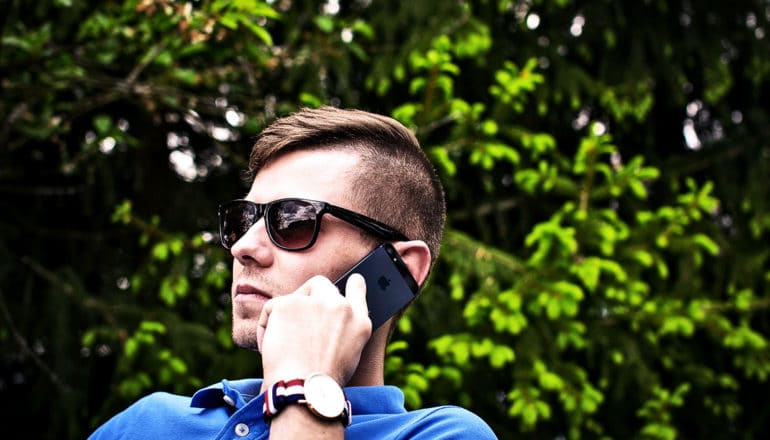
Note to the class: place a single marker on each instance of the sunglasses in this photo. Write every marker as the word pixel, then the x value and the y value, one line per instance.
pixel 292 224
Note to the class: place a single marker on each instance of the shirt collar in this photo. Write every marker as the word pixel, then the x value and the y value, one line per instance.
pixel 237 393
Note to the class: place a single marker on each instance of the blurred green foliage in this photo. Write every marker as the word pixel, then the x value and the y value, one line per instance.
pixel 605 270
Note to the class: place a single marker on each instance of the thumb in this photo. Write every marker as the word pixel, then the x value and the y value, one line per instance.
pixel 264 316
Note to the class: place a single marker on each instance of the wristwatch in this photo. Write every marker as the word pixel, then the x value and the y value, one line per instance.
pixel 321 394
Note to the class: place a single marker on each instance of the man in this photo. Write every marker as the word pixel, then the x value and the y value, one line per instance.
pixel 290 238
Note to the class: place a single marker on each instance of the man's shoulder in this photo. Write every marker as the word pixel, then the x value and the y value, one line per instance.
pixel 379 412
pixel 159 401
pixel 445 422
pixel 450 421
pixel 152 412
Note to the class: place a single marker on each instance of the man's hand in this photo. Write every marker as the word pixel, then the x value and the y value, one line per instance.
pixel 314 329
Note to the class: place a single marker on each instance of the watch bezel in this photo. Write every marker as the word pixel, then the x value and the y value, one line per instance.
pixel 324 396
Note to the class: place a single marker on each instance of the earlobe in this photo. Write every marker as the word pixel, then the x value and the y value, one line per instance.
pixel 416 256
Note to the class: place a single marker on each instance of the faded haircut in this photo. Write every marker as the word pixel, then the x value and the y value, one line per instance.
pixel 394 183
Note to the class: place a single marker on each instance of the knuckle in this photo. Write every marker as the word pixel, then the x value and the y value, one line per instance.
pixel 365 329
pixel 319 283
pixel 344 308
pixel 319 280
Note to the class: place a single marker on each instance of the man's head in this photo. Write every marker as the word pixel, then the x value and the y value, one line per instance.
pixel 394 182
pixel 354 160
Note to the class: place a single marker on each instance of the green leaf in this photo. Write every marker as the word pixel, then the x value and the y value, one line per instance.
pixel 17 42
pixel 122 212
pixel 364 28
pixel 550 381
pixel 553 309
pixel 325 23
pixel 88 338
pixel 164 59
pixel 529 415
pixel 102 124
pixel 175 246
pixel 677 324
pixel 258 31
pixel 744 300
pixel 229 21
pixel 397 346
pixel 130 348
pixel 187 76
pixel 160 251
pixel 440 156
pixel 310 100
pixel 152 326
pixel 501 355
pixel 706 243
pixel 588 271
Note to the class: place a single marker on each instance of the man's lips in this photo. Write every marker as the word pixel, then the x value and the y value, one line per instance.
pixel 246 292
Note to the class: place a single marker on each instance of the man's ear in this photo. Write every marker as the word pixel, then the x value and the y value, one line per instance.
pixel 416 256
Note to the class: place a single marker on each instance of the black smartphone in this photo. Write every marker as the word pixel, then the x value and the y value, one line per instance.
pixel 389 284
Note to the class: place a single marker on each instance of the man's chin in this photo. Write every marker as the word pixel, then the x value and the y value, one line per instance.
pixel 245 336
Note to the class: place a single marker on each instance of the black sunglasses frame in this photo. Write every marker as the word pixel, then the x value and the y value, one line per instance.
pixel 261 210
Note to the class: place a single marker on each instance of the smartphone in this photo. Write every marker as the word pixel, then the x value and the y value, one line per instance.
pixel 389 284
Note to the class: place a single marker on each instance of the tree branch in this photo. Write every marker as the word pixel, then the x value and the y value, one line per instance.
pixel 28 352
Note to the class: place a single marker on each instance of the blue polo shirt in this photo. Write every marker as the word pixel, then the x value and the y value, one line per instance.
pixel 233 410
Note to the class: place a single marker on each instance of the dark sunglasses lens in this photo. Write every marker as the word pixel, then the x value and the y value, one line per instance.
pixel 235 219
pixel 292 223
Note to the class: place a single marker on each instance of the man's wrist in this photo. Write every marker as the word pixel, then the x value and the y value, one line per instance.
pixel 323 397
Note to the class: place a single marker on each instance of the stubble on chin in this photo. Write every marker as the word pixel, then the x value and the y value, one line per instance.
pixel 244 331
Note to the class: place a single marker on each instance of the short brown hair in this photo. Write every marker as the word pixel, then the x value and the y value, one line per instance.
pixel 395 184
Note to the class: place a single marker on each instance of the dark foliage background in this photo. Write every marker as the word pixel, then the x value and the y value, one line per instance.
pixel 605 271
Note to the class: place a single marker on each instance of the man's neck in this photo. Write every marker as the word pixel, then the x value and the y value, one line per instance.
pixel 371 367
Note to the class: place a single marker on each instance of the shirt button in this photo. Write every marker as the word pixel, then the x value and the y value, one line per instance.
pixel 241 430
pixel 228 400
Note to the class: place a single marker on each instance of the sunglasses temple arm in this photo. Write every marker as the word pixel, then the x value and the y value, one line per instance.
pixel 369 224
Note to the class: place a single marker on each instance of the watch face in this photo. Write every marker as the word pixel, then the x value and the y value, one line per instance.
pixel 324 396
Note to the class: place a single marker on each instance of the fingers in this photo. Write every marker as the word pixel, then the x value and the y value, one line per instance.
pixel 318 287
pixel 355 292
pixel 315 286
pixel 314 328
